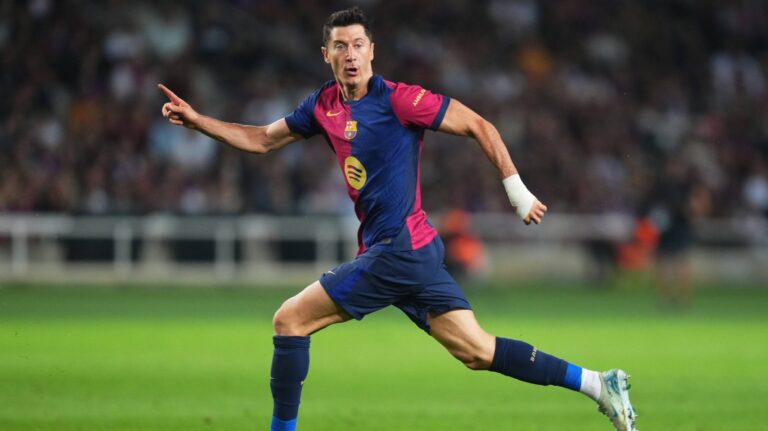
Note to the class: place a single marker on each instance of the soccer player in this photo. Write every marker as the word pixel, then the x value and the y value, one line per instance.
pixel 376 128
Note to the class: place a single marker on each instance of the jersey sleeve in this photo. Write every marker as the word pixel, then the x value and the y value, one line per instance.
pixel 302 119
pixel 415 106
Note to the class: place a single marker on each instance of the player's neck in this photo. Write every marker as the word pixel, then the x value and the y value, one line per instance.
pixel 355 92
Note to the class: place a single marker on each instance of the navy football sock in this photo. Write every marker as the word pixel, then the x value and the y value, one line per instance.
pixel 290 365
pixel 524 362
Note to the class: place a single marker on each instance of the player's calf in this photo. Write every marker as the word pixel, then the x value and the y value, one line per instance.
pixel 474 358
pixel 459 332
pixel 290 365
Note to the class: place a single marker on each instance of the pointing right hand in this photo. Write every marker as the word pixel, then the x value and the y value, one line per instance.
pixel 177 111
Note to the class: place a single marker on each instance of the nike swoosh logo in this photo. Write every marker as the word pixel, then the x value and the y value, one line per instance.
pixel 333 114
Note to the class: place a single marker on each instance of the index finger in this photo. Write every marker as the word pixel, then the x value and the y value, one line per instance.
pixel 176 100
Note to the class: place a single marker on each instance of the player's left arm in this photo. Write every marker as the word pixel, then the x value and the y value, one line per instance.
pixel 461 121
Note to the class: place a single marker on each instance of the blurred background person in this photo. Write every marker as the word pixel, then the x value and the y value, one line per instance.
pixel 465 255
pixel 679 200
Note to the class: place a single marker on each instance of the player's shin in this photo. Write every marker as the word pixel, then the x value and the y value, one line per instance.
pixel 290 365
pixel 524 362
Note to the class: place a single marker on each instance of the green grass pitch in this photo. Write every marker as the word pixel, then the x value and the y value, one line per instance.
pixel 167 359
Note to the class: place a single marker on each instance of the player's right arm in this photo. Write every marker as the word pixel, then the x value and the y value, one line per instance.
pixel 254 139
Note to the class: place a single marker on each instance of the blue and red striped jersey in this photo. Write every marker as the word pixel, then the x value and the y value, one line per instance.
pixel 377 141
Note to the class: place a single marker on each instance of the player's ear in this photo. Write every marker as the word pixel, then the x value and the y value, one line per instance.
pixel 324 50
pixel 372 51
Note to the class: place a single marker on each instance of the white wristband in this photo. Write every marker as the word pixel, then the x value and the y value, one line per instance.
pixel 519 196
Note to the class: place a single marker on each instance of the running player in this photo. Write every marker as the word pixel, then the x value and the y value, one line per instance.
pixel 376 128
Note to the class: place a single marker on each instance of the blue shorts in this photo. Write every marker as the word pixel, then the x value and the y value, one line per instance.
pixel 414 281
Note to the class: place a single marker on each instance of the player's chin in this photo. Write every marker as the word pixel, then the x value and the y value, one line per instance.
pixel 350 80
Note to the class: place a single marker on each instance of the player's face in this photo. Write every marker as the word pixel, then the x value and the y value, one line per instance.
pixel 350 53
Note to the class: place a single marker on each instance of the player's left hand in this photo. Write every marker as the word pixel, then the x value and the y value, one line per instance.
pixel 537 213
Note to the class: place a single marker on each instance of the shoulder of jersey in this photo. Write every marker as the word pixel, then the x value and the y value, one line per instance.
pixel 326 86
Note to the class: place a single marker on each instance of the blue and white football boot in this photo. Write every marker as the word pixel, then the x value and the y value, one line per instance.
pixel 614 400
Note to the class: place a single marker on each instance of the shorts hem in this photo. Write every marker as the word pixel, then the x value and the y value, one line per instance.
pixel 355 315
pixel 443 310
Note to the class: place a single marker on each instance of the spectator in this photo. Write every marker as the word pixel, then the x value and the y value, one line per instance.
pixel 588 95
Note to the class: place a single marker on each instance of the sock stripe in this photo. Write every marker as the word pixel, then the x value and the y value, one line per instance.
pixel 572 378
pixel 281 425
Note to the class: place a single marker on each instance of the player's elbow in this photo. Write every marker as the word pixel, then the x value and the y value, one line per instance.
pixel 259 140
pixel 479 126
pixel 259 148
pixel 263 145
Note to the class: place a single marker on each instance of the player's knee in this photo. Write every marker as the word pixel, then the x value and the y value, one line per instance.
pixel 285 321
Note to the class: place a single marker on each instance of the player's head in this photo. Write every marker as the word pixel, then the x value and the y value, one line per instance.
pixel 348 46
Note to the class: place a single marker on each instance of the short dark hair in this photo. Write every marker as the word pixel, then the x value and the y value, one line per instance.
pixel 343 18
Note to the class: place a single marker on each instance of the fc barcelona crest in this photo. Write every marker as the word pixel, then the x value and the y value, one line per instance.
pixel 350 131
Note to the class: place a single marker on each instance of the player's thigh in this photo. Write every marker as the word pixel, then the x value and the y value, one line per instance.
pixel 307 312
pixel 460 333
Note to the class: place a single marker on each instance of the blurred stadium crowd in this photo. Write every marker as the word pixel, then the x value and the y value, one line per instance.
pixel 602 103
